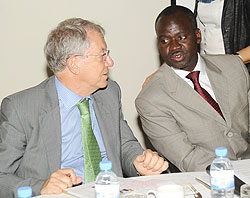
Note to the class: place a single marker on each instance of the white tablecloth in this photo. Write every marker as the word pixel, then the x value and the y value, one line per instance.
pixel 144 183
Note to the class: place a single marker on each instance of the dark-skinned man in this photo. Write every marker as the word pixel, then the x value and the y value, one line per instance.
pixel 194 103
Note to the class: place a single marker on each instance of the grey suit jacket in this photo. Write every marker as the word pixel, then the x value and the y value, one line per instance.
pixel 30 136
pixel 183 127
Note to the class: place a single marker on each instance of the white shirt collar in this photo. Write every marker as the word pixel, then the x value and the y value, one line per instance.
pixel 200 66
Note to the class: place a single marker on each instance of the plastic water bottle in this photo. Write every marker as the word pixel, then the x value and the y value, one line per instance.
pixel 24 192
pixel 107 184
pixel 222 175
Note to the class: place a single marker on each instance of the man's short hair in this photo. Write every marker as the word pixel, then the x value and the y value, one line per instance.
pixel 170 10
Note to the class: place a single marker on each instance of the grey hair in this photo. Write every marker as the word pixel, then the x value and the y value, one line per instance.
pixel 67 39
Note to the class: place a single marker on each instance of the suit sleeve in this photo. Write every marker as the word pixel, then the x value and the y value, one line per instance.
pixel 249 111
pixel 248 83
pixel 245 71
pixel 12 148
pixel 130 147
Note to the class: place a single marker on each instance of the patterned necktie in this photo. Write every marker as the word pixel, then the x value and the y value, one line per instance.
pixel 91 151
pixel 194 77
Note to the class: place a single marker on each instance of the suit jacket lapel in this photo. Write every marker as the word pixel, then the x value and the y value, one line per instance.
pixel 186 95
pixel 221 92
pixel 111 138
pixel 50 127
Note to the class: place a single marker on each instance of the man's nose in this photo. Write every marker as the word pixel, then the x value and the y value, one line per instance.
pixel 174 44
pixel 109 62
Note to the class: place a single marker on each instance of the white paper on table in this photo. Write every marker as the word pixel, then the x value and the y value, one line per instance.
pixel 242 169
pixel 83 191
pixel 131 185
pixel 143 186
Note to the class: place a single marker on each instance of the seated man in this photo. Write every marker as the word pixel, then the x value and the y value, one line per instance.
pixel 54 135
pixel 187 117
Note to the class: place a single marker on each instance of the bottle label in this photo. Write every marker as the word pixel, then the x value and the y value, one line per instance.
pixel 107 191
pixel 223 179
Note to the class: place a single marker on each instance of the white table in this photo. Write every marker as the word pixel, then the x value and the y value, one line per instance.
pixel 144 183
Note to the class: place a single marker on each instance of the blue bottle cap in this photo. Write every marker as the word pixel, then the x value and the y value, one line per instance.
pixel 221 151
pixel 24 192
pixel 105 165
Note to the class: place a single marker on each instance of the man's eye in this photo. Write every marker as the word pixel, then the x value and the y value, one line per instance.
pixel 163 41
pixel 182 37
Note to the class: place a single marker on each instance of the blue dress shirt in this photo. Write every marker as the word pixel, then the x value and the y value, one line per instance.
pixel 72 150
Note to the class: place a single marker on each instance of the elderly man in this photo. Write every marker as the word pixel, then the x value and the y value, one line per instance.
pixel 54 135
pixel 194 103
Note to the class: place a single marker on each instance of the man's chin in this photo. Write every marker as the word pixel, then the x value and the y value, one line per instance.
pixel 177 66
pixel 181 66
pixel 103 85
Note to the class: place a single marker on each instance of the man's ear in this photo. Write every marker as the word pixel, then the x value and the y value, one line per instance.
pixel 198 35
pixel 73 65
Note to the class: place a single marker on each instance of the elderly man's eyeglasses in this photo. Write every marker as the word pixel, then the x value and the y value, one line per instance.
pixel 103 55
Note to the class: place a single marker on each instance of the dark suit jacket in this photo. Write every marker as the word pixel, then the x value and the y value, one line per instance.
pixel 185 128
pixel 30 136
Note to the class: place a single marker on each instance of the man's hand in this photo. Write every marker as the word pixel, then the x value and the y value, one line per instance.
pixel 59 181
pixel 150 163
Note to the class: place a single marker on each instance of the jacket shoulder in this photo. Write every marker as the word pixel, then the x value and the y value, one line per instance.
pixel 225 61
pixel 34 96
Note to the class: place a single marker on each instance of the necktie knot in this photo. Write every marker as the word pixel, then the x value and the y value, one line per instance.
pixel 83 107
pixel 194 76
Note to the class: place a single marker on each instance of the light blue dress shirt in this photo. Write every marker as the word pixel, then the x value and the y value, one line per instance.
pixel 72 150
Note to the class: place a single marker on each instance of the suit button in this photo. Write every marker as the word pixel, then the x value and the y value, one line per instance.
pixel 230 134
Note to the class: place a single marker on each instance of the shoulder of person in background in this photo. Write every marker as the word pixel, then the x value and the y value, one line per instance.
pixel 148 79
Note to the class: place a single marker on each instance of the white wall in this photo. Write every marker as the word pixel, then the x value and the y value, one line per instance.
pixel 130 35
pixel 187 3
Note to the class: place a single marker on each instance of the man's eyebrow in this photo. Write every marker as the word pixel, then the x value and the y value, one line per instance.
pixel 104 49
pixel 162 36
pixel 184 32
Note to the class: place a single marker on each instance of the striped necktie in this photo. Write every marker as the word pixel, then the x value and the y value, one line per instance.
pixel 194 77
